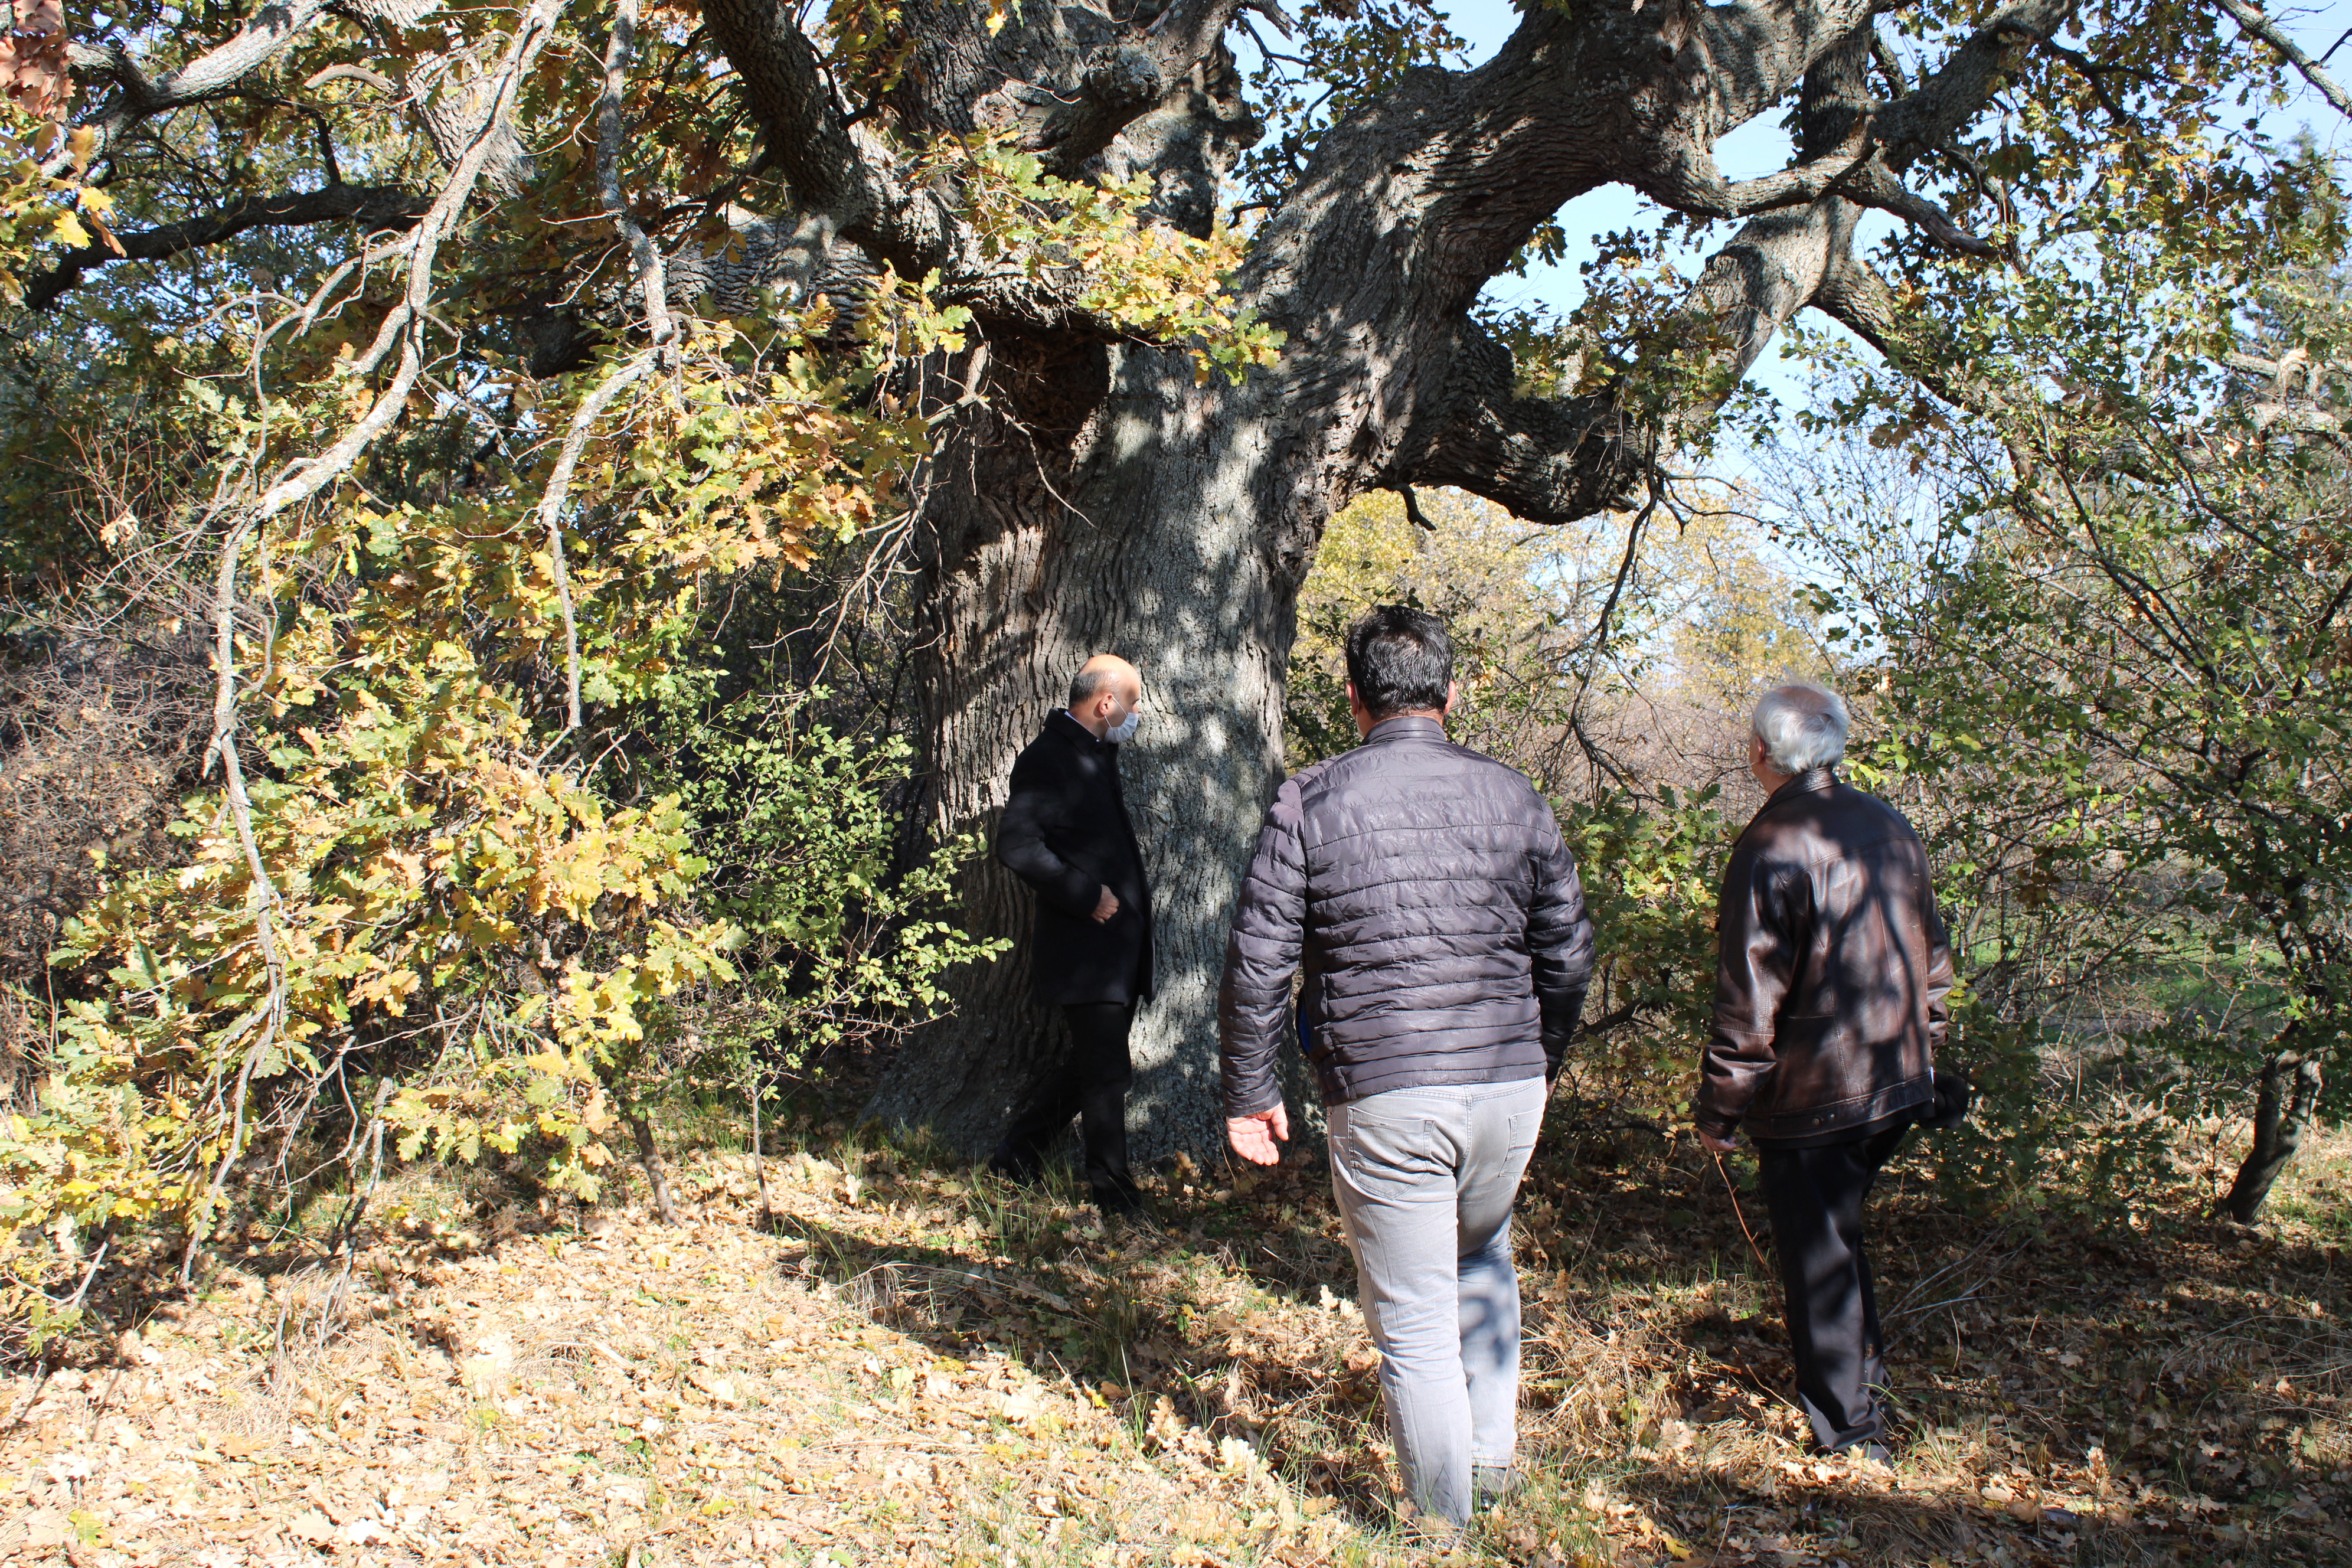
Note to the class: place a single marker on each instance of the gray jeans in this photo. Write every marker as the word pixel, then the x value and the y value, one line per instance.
pixel 1425 1178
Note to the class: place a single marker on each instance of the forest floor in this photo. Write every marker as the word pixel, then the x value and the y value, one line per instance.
pixel 905 1363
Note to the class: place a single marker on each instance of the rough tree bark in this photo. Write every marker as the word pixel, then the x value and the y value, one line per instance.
pixel 2283 1108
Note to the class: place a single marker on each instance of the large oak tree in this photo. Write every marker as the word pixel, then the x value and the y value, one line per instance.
pixel 1093 483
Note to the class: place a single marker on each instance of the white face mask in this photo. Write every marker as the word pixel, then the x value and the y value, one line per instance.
pixel 1120 733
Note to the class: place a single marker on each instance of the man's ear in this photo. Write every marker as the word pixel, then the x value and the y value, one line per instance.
pixel 1452 695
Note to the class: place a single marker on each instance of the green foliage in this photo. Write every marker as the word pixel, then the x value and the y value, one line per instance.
pixel 429 902
pixel 801 825
pixel 2105 603
pixel 1652 867
pixel 1156 282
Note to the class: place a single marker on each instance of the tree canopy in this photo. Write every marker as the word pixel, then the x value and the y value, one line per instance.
pixel 574 508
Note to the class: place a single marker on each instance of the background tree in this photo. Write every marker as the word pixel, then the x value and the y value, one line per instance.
pixel 2109 627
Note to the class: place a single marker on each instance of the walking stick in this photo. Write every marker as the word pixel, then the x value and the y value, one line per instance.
pixel 1739 1213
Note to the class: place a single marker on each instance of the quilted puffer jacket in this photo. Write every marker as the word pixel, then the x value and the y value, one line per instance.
pixel 1426 889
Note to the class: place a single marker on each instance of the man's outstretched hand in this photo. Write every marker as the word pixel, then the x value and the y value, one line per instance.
pixel 1713 1145
pixel 1253 1137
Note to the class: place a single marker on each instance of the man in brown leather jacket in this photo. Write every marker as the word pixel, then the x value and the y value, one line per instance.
pixel 1830 1002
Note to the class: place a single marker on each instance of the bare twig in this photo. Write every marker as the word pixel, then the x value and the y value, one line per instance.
pixel 759 1155
pixel 652 283
pixel 347 1243
pixel 90 1277
pixel 551 512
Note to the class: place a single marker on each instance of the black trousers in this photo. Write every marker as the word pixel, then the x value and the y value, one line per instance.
pixel 1092 1087
pixel 1815 1197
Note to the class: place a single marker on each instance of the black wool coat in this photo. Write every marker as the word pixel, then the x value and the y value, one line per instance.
pixel 1065 833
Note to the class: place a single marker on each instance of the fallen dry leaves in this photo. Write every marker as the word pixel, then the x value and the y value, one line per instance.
pixel 913 1365
pixel 686 1394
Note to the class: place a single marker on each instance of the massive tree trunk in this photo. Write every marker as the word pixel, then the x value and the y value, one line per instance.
pixel 1144 538
pixel 1092 496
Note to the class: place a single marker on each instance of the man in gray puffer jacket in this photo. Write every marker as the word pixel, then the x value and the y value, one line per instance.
pixel 1446 952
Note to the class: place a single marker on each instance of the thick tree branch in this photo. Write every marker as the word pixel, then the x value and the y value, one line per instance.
pixel 1958 91
pixel 805 137
pixel 1547 459
pixel 2269 32
pixel 378 206
pixel 1552 460
pixel 138 96
pixel 1118 84
pixel 1867 166
pixel 1858 299
pixel 1754 53
pixel 847 182
pixel 1061 82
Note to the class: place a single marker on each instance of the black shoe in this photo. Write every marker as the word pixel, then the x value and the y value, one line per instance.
pixel 1121 1200
pixel 1021 1167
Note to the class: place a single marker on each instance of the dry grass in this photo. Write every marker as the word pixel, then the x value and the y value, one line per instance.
pixel 920 1363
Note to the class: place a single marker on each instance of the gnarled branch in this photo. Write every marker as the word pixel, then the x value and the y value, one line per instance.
pixel 1547 459
pixel 378 206
pixel 139 95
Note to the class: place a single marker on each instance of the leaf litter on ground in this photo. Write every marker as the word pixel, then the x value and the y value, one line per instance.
pixel 906 1361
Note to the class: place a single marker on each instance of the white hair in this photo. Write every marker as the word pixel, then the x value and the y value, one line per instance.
pixel 1802 725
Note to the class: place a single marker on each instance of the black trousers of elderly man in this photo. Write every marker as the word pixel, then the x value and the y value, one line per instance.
pixel 1830 1005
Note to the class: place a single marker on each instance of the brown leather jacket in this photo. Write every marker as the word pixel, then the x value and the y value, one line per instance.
pixel 1832 970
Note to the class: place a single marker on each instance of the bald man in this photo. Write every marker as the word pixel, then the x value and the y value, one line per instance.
pixel 1065 833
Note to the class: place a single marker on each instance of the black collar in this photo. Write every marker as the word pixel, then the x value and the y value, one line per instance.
pixel 1405 726
pixel 1811 779
pixel 1066 724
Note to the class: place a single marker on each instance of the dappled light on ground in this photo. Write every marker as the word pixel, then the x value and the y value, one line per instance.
pixel 908 1361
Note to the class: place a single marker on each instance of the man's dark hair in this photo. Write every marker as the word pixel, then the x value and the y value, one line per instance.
pixel 1400 659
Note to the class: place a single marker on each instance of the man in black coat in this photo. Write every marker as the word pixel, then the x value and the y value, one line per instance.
pixel 1833 992
pixel 1065 833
